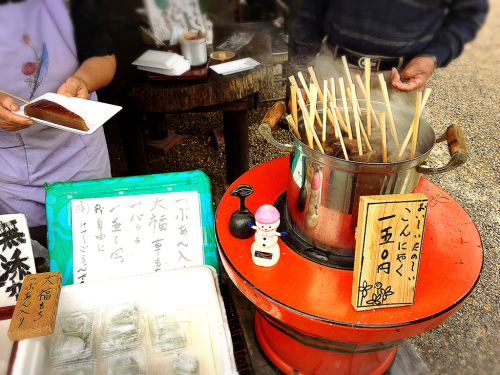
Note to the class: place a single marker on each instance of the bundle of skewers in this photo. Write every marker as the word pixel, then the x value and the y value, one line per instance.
pixel 354 138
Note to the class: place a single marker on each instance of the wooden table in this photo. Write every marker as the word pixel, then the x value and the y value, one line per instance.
pixel 304 319
pixel 235 95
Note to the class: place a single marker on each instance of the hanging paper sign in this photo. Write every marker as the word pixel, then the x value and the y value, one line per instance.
pixel 131 235
pixel 163 14
pixel 16 257
pixel 388 245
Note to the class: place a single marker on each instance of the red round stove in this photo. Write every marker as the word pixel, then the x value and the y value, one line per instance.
pixel 305 322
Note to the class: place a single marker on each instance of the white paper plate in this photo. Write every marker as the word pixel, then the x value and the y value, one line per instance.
pixel 235 66
pixel 94 113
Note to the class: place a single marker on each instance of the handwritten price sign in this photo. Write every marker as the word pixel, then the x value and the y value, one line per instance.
pixel 388 246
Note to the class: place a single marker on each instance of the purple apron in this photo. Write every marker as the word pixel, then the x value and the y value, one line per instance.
pixel 37 55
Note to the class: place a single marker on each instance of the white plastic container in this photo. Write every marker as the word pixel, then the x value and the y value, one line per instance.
pixel 195 289
pixel 73 330
pixel 193 49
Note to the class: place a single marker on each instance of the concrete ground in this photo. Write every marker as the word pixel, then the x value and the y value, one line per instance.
pixel 466 93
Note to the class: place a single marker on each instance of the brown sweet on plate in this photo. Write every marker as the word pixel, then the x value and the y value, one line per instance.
pixel 52 112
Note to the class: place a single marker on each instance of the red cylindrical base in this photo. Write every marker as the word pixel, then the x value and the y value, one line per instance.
pixel 295 358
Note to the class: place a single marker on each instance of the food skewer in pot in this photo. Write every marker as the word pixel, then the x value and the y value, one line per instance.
pixel 308 93
pixel 416 125
pixel 309 127
pixel 313 89
pixel 293 90
pixel 358 112
pixel 295 130
pixel 385 93
pixel 384 136
pixel 356 121
pixel 346 109
pixel 341 139
pixel 427 93
pixel 304 84
pixel 364 92
pixel 325 110
pixel 367 96
pixel 305 119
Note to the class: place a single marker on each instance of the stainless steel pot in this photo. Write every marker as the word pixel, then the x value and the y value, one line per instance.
pixel 323 191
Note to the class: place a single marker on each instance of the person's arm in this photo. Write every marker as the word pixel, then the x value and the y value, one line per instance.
pixel 94 47
pixel 93 74
pixel 461 24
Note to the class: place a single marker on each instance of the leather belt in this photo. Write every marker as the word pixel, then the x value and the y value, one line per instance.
pixel 358 60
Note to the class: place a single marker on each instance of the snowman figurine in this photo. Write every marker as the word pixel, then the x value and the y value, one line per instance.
pixel 265 249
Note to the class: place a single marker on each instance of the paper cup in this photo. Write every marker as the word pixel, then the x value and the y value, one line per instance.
pixel 194 50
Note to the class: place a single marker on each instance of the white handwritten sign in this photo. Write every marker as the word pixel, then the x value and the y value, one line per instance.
pixel 163 13
pixel 16 257
pixel 132 235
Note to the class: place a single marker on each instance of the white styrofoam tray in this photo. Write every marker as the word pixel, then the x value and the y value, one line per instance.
pixel 235 66
pixel 94 113
pixel 158 59
pixel 192 287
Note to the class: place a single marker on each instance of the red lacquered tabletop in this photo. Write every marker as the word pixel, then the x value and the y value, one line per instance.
pixel 450 265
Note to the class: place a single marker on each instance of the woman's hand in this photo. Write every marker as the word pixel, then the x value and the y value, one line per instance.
pixel 414 76
pixel 10 121
pixel 74 87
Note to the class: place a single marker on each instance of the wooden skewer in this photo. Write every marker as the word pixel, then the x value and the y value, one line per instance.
pixel 363 91
pixel 333 98
pixel 347 72
pixel 383 84
pixel 305 118
pixel 290 120
pixel 341 121
pixel 313 89
pixel 293 89
pixel 293 82
pixel 348 92
pixel 333 119
pixel 304 84
pixel 363 133
pixel 346 110
pixel 427 93
pixel 152 35
pixel 15 97
pixel 417 124
pixel 337 129
pixel 368 70
pixel 315 81
pixel 325 109
pixel 356 122
pixel 384 136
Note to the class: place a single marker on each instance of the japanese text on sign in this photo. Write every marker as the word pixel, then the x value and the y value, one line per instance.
pixel 388 247
pixel 130 235
pixel 36 308
pixel 16 257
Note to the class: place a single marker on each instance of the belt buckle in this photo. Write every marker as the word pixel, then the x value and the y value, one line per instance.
pixel 375 64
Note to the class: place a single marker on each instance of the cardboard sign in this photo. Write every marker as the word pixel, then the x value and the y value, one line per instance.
pixel 131 235
pixel 164 13
pixel 388 245
pixel 36 309
pixel 16 257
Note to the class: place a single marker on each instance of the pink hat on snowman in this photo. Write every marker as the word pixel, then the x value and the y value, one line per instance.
pixel 267 214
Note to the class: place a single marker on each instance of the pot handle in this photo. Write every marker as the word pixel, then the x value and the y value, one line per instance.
pixel 457 148
pixel 270 120
pixel 266 132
